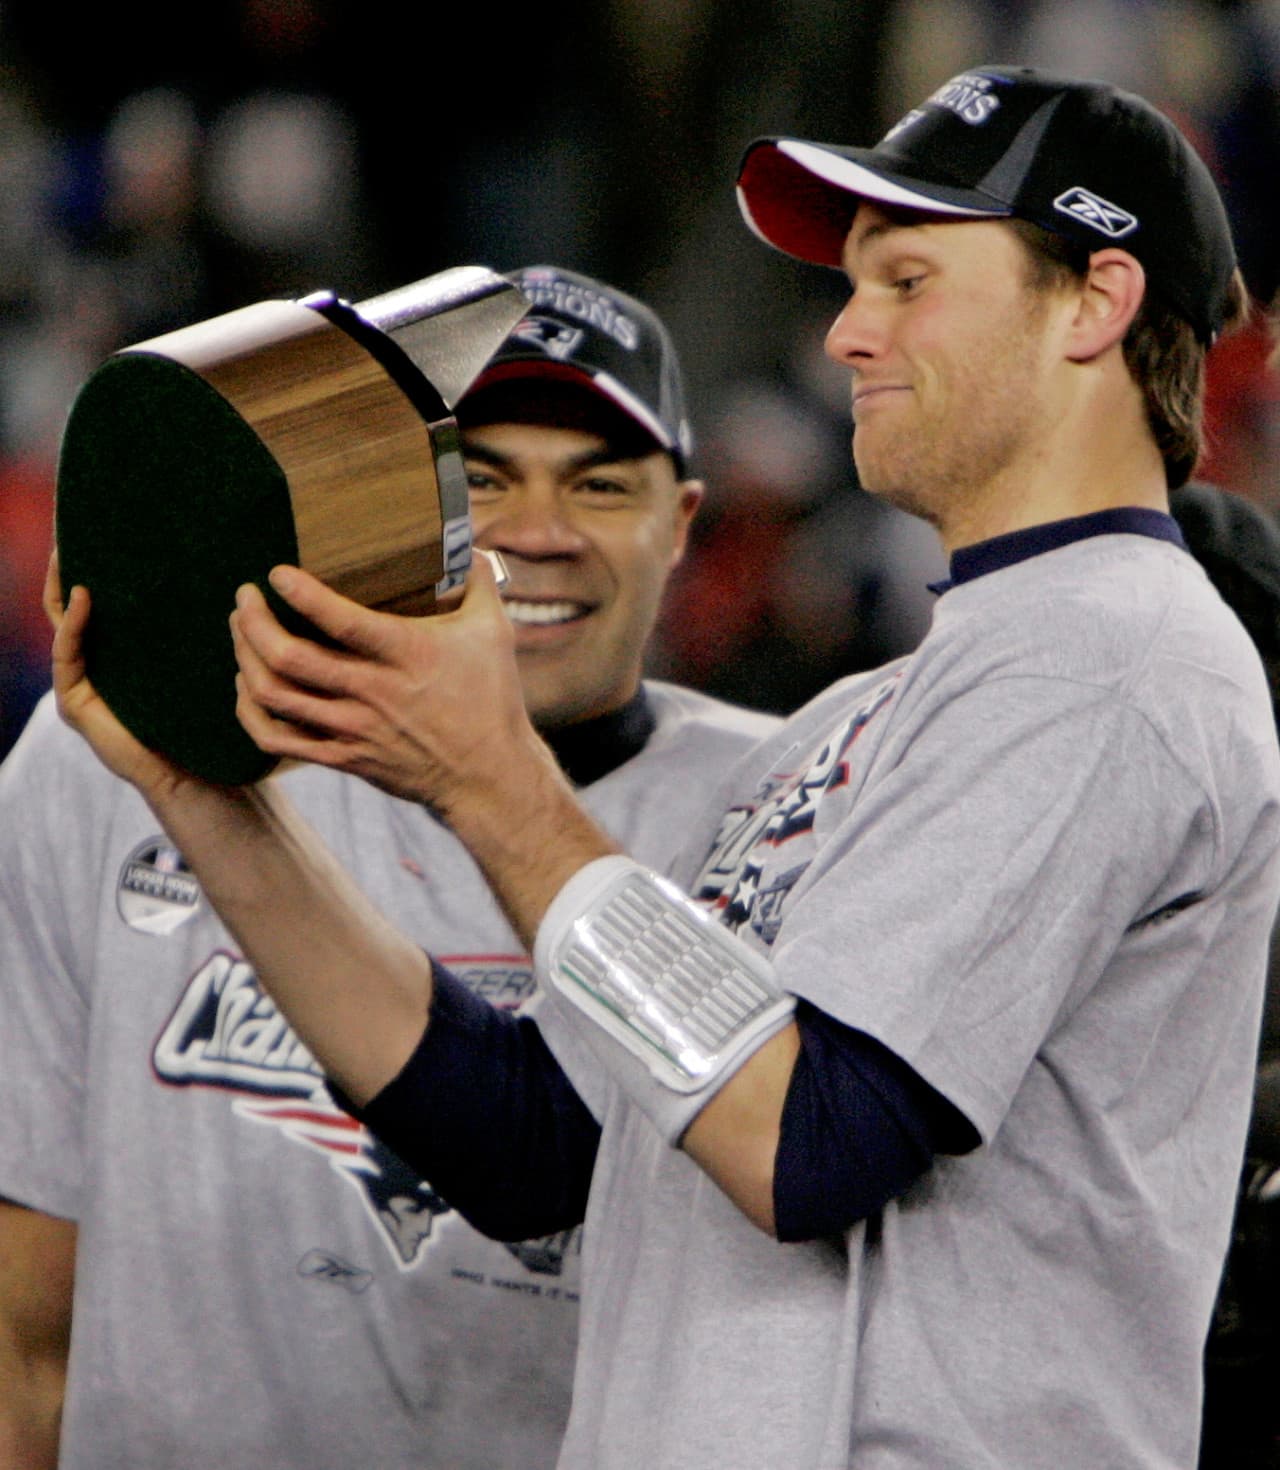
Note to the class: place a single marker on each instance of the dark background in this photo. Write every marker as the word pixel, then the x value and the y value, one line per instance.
pixel 161 164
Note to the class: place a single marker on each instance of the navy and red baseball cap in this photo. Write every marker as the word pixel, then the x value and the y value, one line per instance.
pixel 1083 159
pixel 580 331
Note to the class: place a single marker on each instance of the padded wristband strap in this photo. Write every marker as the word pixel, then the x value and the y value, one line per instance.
pixel 681 994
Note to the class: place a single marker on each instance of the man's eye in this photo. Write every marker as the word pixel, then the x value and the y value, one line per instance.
pixel 479 481
pixel 603 486
pixel 906 285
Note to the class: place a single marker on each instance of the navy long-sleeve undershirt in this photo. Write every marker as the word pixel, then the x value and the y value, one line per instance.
pixel 483 1110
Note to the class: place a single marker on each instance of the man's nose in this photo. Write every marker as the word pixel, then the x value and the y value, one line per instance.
pixel 857 334
pixel 529 523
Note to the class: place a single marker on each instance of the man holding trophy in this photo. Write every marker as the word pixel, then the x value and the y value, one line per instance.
pixel 245 1275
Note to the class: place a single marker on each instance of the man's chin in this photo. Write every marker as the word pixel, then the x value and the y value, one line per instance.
pixel 892 490
pixel 548 719
pixel 551 705
pixel 554 705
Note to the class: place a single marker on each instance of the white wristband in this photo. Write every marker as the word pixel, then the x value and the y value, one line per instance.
pixel 677 990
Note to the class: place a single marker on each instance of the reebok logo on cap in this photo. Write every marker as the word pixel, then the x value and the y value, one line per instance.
pixel 1109 218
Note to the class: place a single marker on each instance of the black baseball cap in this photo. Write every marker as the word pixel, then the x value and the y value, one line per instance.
pixel 581 331
pixel 1082 159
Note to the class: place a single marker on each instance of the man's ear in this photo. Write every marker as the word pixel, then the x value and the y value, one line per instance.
pixel 689 494
pixel 1109 298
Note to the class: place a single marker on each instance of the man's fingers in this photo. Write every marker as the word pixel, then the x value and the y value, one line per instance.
pixel 364 631
pixel 259 681
pixel 83 708
pixel 275 712
pixel 320 740
pixel 286 706
pixel 482 600
pixel 258 723
pixel 277 653
pixel 68 640
pixel 77 699
pixel 51 597
pixel 494 561
pixel 358 628
pixel 484 580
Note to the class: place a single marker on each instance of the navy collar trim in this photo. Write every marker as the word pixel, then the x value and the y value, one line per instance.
pixel 971 562
pixel 591 749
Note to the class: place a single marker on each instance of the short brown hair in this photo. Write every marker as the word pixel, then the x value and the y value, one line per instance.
pixel 1161 349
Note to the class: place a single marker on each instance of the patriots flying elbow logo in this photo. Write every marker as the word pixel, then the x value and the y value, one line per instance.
pixel 406 1206
pixel 552 337
pixel 1098 213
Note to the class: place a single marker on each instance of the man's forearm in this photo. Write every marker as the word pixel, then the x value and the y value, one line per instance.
pixel 514 1154
pixel 528 834
pixel 30 1408
pixel 37 1263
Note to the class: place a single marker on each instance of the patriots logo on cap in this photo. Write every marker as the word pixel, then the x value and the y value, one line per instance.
pixel 1098 213
pixel 553 337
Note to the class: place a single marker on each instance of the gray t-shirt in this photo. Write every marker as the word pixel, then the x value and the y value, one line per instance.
pixel 258 1281
pixel 1039 860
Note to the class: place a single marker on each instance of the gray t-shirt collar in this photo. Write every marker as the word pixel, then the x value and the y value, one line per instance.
pixel 969 562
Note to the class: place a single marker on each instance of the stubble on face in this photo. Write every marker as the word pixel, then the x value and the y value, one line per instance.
pixel 975 413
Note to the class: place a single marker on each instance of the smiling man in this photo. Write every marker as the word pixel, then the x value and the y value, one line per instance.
pixel 576 449
pixel 246 1276
pixel 922 1096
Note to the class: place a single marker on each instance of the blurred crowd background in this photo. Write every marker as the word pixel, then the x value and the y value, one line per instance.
pixel 160 165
